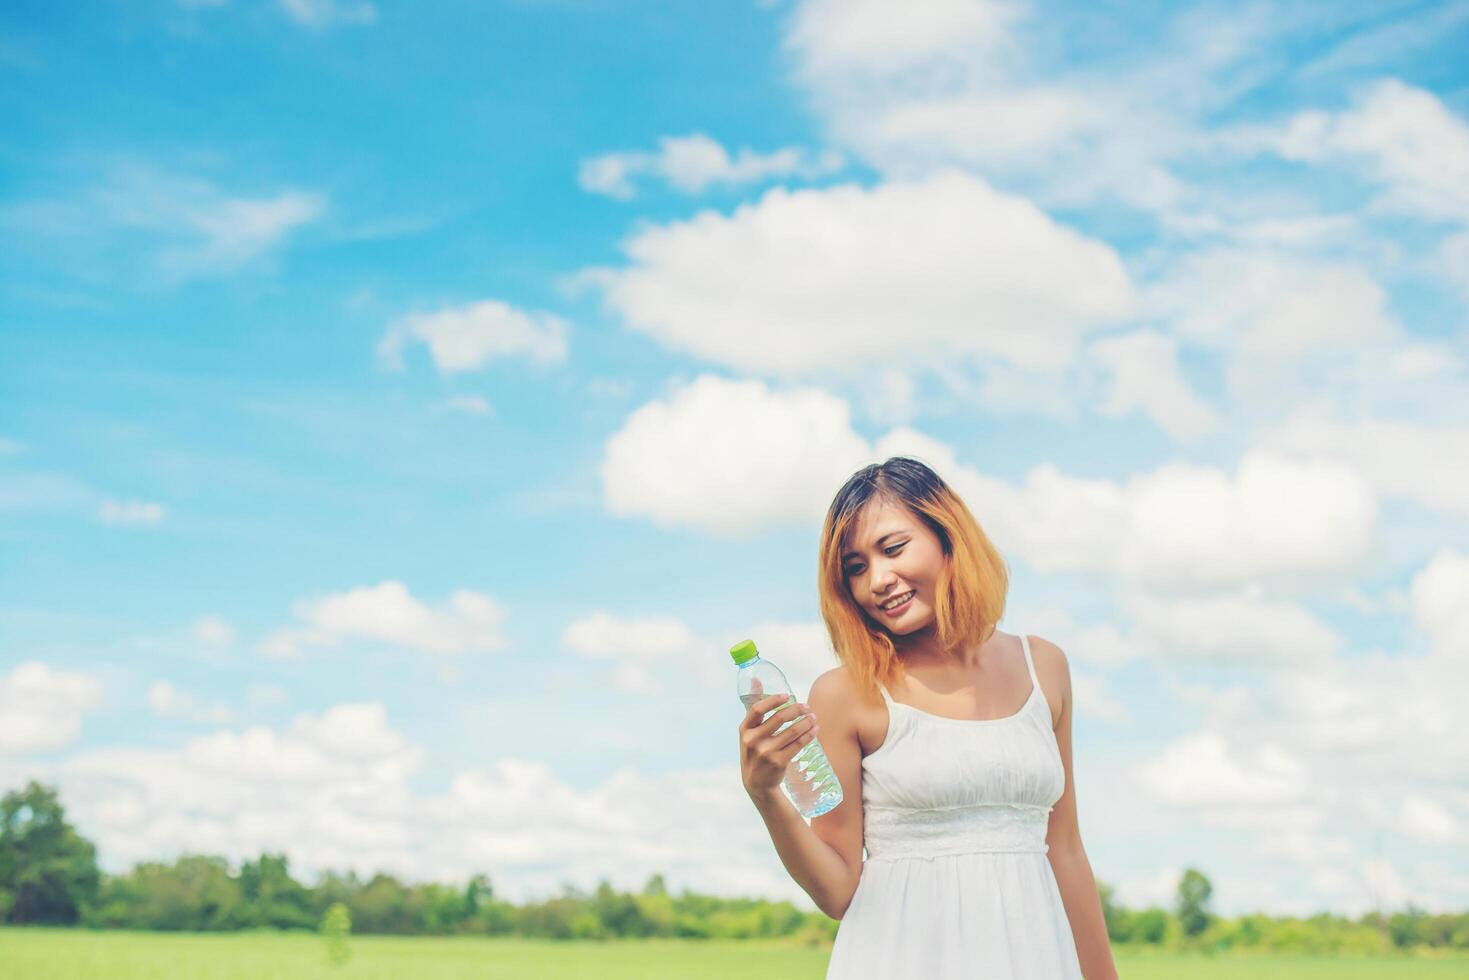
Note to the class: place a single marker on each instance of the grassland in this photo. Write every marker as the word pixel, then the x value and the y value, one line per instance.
pixel 74 954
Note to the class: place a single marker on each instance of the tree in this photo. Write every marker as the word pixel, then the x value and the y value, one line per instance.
pixel 48 872
pixel 273 897
pixel 1193 902
pixel 477 890
pixel 386 905
pixel 336 925
pixel 196 893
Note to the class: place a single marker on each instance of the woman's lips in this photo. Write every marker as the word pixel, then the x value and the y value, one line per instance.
pixel 898 610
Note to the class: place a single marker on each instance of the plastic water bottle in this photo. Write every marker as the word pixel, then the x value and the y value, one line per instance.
pixel 809 782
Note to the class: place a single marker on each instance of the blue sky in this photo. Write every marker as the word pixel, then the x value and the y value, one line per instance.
pixel 395 404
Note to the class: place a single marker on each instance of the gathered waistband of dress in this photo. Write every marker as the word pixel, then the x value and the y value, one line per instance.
pixel 904 832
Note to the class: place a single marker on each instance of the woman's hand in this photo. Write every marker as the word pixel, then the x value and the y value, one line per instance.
pixel 764 752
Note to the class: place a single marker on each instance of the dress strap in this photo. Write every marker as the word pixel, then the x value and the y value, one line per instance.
pixel 1029 661
pixel 885 695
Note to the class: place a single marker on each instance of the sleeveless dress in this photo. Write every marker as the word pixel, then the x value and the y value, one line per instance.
pixel 956 882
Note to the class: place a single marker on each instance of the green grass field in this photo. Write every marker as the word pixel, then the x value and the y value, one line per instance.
pixel 67 954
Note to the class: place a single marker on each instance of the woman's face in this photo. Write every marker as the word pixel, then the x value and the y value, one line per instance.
pixel 888 554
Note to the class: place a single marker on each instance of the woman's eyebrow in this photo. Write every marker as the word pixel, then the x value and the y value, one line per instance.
pixel 879 542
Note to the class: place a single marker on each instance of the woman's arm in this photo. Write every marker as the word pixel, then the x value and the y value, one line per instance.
pixel 824 857
pixel 1068 858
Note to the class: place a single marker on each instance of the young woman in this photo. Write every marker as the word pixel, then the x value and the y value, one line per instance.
pixel 964 802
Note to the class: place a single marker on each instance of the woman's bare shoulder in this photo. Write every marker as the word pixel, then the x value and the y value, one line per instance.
pixel 1053 671
pixel 837 683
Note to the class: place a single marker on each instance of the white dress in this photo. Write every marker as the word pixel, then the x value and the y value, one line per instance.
pixel 956 882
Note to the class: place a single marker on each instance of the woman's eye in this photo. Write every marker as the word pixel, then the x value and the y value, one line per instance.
pixel 889 551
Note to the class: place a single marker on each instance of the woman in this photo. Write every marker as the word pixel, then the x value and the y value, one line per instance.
pixel 965 803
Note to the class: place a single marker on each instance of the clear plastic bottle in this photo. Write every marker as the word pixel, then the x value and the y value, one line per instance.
pixel 809 782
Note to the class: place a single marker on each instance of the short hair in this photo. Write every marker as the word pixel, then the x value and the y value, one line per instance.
pixel 969 600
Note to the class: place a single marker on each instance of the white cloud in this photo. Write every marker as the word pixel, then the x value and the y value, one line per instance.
pixel 1400 137
pixel 1386 884
pixel 961 84
pixel 1182 527
pixel 1145 376
pixel 130 512
pixel 1203 772
pixel 1290 330
pixel 1453 261
pixel 1157 888
pixel 386 612
pixel 1263 306
pixel 1426 463
pixel 1326 749
pixel 905 274
pixel 1436 598
pixel 168 701
pixel 466 338
pixel 41 709
pixel 732 458
pixel 1428 821
pixel 1092 699
pixel 1230 628
pixel 197 228
pixel 837 38
pixel 641 648
pixel 653 653
pixel 333 791
pixel 691 164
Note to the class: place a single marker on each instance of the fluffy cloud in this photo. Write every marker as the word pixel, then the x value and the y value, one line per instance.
pixel 41 709
pixel 652 650
pixel 466 338
pixel 732 458
pixel 843 278
pixel 1271 306
pixel 693 163
pixel 1235 628
pixel 1324 748
pixel 961 84
pixel 332 791
pixel 387 612
pixel 838 38
pixel 1422 462
pixel 1201 771
pixel 640 648
pixel 1401 138
pixel 1144 376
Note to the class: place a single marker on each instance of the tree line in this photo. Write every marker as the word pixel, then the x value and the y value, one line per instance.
pixel 49 876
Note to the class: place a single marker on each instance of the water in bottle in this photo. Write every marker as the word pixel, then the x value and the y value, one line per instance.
pixel 809 782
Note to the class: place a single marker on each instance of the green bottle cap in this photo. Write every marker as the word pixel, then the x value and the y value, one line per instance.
pixel 744 651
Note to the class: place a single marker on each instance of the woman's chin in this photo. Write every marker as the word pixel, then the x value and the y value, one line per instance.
pixel 906 628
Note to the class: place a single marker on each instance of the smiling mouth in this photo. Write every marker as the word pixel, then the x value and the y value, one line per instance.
pixel 892 607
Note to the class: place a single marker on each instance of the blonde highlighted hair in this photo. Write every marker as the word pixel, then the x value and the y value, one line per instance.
pixel 970 598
